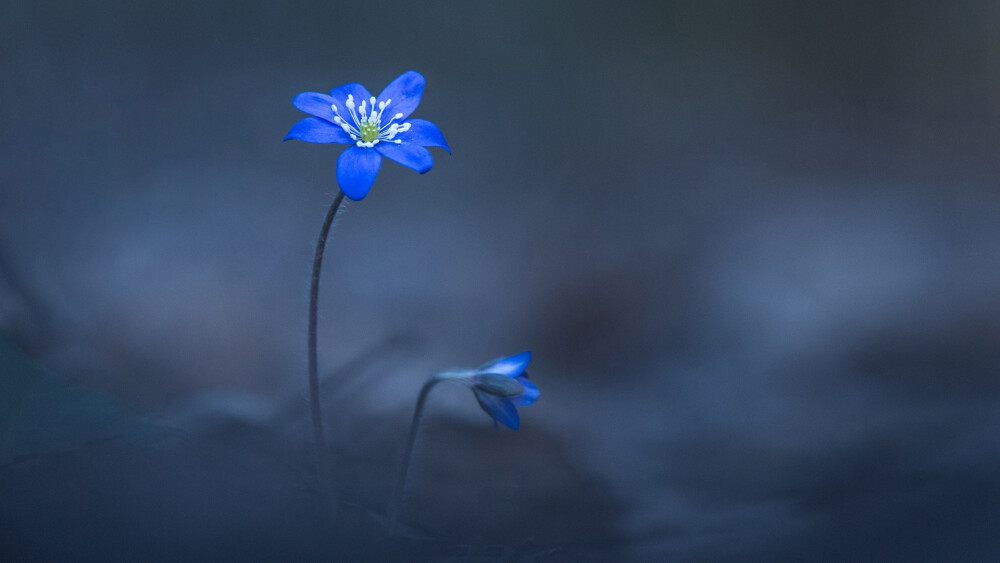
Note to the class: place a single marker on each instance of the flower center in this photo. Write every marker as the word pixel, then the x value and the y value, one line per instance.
pixel 365 125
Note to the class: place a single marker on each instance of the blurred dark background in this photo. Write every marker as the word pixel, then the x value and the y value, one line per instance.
pixel 753 247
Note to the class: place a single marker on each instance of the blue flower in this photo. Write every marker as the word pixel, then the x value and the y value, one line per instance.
pixel 502 385
pixel 373 126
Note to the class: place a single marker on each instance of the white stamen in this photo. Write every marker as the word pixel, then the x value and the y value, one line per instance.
pixel 370 119
pixel 354 116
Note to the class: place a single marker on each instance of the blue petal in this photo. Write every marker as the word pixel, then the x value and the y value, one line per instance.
pixel 530 394
pixel 408 154
pixel 405 92
pixel 316 104
pixel 496 384
pixel 511 366
pixel 356 171
pixel 502 410
pixel 425 134
pixel 339 97
pixel 316 130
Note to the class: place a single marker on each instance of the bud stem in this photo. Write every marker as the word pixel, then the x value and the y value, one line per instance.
pixel 397 499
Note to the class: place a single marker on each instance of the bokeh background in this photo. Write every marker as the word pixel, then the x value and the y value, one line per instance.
pixel 754 248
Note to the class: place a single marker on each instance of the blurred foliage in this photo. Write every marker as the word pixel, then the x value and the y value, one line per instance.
pixel 41 413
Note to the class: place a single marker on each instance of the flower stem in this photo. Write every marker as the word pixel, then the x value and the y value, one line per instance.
pixel 322 456
pixel 397 499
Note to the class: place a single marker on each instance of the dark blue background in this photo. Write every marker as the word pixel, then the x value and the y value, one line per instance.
pixel 753 247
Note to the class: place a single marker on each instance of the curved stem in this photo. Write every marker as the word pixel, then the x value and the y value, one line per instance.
pixel 314 404
pixel 397 499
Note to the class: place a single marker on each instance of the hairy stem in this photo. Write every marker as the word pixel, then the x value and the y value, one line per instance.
pixel 322 455
pixel 397 498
